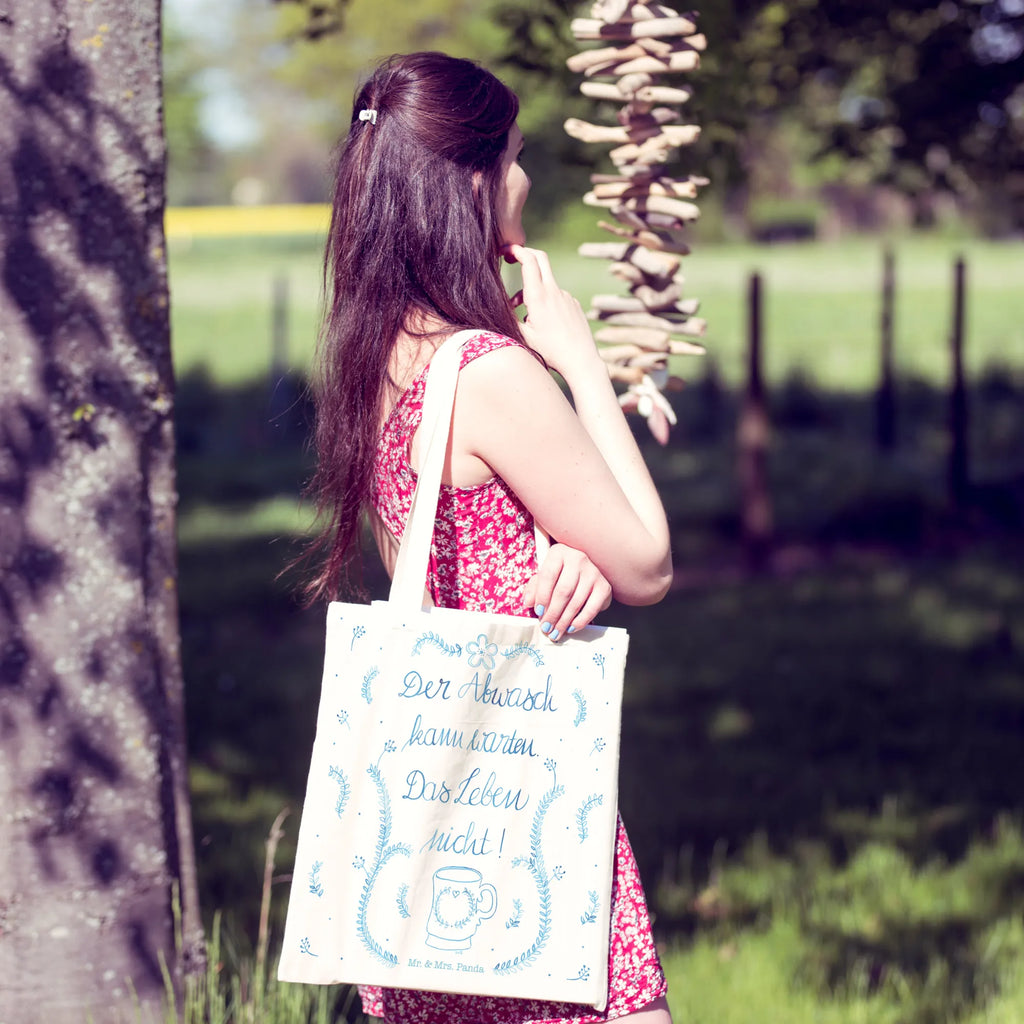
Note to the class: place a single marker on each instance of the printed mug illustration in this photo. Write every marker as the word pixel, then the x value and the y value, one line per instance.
pixel 461 900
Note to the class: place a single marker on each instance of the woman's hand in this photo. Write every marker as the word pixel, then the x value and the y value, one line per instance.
pixel 555 326
pixel 567 591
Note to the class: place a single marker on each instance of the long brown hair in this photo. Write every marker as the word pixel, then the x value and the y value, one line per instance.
pixel 413 239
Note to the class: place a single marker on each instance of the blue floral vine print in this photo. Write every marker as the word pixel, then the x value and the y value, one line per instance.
pixel 455 897
pixel 558 873
pixel 402 901
pixel 305 947
pixel 589 916
pixel 517 914
pixel 581 708
pixel 383 852
pixel 582 822
pixel 342 717
pixel 452 650
pixel 599 745
pixel 357 632
pixel 344 789
pixel 367 680
pixel 599 662
pixel 481 652
pixel 530 650
pixel 315 885
pixel 582 976
pixel 535 864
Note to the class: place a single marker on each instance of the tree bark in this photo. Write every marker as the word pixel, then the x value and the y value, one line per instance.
pixel 94 817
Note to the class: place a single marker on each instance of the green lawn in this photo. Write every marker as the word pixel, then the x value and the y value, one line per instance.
pixel 822 305
pixel 821 765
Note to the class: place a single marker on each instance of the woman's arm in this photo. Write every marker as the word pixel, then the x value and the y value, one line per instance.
pixel 579 472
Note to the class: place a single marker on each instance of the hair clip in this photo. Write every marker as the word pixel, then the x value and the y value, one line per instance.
pixel 369 114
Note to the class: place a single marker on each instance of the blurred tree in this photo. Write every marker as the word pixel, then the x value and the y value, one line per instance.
pixel 190 153
pixel 914 93
pixel 96 829
pixel 910 92
pixel 333 42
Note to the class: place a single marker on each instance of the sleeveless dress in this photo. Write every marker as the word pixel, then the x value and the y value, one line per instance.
pixel 482 557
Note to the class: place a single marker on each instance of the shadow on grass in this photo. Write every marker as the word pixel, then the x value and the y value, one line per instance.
pixel 872 695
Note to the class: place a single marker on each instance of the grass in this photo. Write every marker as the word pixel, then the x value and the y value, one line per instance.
pixel 820 769
pixel 821 305
pixel 933 943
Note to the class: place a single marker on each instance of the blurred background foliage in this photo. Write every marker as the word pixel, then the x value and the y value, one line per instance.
pixel 821 762
pixel 871 112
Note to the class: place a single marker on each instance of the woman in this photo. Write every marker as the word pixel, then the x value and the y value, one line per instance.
pixel 428 198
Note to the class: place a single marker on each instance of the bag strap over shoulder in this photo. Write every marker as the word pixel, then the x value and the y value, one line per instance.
pixel 435 428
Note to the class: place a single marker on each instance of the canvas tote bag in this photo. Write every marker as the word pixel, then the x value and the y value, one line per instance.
pixel 458 830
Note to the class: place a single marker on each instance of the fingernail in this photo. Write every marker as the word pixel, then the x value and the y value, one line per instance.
pixel 554 635
pixel 538 610
pixel 545 627
pixel 571 629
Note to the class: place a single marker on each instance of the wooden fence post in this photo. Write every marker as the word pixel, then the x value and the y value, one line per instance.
pixel 282 388
pixel 279 330
pixel 885 396
pixel 958 455
pixel 752 437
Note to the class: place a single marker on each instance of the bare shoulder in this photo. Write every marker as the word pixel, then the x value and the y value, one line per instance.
pixel 508 404
pixel 504 372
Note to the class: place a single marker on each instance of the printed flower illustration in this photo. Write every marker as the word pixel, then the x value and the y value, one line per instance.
pixel 481 653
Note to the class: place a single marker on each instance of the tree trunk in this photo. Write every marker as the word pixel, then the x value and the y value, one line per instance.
pixel 94 818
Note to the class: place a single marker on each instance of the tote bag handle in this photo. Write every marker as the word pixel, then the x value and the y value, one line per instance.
pixel 435 426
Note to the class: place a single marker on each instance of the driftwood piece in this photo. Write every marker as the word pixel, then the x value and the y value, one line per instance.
pixel 648 361
pixel 657 264
pixel 644 115
pixel 664 221
pixel 676 209
pixel 637 80
pixel 656 299
pixel 594 28
pixel 643 299
pixel 641 319
pixel 586 132
pixel 608 56
pixel 637 132
pixel 658 240
pixel 654 150
pixel 616 92
pixel 683 60
pixel 643 200
pixel 624 352
pixel 626 374
pixel 629 218
pixel 686 348
pixel 623 341
pixel 640 331
pixel 606 193
pixel 610 10
pixel 643 11
pixel 618 353
pixel 628 273
pixel 694 327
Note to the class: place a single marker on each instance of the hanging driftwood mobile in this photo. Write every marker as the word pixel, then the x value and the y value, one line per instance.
pixel 644 41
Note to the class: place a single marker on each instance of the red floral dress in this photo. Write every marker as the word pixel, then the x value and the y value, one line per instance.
pixel 482 557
